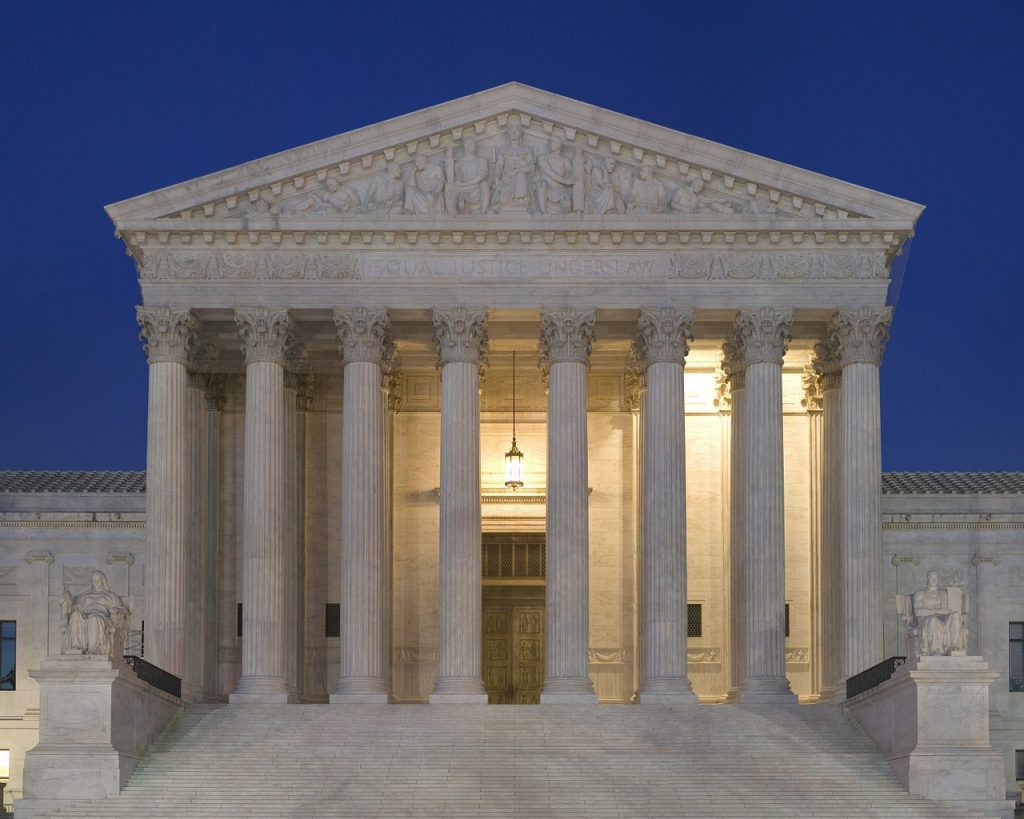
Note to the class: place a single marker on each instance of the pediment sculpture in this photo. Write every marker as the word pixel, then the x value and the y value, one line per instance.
pixel 936 618
pixel 95 621
pixel 514 171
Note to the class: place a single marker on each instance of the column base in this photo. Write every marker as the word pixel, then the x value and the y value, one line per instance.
pixel 666 691
pixel 260 690
pixel 360 699
pixel 459 690
pixel 360 691
pixel 766 691
pixel 568 691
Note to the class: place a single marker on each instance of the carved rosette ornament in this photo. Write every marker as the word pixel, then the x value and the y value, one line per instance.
pixel 364 335
pixel 460 334
pixel 168 333
pixel 265 334
pixel 566 335
pixel 732 366
pixel 826 365
pixel 763 334
pixel 861 335
pixel 663 336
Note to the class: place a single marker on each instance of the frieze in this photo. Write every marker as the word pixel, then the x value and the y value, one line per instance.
pixel 217 265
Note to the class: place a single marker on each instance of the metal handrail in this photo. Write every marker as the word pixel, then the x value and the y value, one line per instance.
pixel 872 677
pixel 155 676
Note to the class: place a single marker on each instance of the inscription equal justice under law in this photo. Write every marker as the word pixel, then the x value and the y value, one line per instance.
pixel 325 266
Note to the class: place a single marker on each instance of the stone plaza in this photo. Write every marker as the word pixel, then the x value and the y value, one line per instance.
pixel 519 401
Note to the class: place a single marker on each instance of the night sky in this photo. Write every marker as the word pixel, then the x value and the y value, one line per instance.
pixel 104 101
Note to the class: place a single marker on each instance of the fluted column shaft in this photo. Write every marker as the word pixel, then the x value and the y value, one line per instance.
pixel 461 339
pixel 365 341
pixel 291 535
pixel 762 335
pixel 566 339
pixel 662 344
pixel 733 366
pixel 169 334
pixel 265 335
pixel 860 336
pixel 827 364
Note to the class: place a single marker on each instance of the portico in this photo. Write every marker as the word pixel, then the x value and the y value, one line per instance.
pixel 700 331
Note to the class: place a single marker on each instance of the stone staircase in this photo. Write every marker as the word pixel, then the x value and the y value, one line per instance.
pixel 512 761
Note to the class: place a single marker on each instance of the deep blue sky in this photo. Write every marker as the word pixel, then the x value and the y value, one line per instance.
pixel 103 101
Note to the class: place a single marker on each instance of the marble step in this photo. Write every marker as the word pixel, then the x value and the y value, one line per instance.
pixel 512 761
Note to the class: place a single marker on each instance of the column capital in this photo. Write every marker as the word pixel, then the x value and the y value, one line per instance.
pixel 566 335
pixel 636 380
pixel 826 364
pixel 723 390
pixel 762 334
pixel 732 365
pixel 393 385
pixel 861 334
pixel 814 391
pixel 460 334
pixel 168 333
pixel 266 335
pixel 663 335
pixel 364 334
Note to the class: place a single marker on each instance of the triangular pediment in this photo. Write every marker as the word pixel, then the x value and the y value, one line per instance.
pixel 512 154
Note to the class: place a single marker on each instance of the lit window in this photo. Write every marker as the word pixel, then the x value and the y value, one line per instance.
pixel 1017 656
pixel 8 654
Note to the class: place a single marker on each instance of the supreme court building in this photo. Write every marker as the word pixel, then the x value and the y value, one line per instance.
pixel 683 340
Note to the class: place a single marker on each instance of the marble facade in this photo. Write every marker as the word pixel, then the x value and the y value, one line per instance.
pixel 698 331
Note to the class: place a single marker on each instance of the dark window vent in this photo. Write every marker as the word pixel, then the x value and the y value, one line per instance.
pixel 332 620
pixel 694 620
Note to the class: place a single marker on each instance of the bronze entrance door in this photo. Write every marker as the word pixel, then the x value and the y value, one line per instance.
pixel 513 621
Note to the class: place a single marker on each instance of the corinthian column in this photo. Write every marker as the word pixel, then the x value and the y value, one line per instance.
pixel 265 336
pixel 566 338
pixel 826 364
pixel 732 364
pixel 364 337
pixel 762 335
pixel 169 334
pixel 461 339
pixel 860 337
pixel 661 346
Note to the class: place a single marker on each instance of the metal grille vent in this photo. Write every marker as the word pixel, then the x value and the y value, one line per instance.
pixel 694 620
pixel 509 557
pixel 332 620
pixel 787 619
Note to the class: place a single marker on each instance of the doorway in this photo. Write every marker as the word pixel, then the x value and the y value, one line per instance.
pixel 513 617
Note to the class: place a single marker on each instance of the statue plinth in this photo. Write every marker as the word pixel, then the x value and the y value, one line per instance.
pixel 931 722
pixel 96 719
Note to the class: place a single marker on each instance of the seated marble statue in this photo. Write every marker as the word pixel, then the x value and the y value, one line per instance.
pixel 935 617
pixel 95 621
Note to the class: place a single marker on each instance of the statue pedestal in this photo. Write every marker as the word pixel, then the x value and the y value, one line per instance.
pixel 96 719
pixel 931 722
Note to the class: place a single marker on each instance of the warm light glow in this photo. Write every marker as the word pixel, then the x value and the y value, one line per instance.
pixel 5 765
pixel 514 467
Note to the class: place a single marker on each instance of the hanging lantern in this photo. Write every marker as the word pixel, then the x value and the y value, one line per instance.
pixel 513 458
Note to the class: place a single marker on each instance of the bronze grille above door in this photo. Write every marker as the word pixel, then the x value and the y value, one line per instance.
pixel 513 556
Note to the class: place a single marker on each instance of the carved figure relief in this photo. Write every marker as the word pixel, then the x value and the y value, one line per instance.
pixel 648 194
pixel 555 180
pixel 337 198
pixel 468 189
pixel 94 621
pixel 424 193
pixel 513 169
pixel 517 171
pixel 387 194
